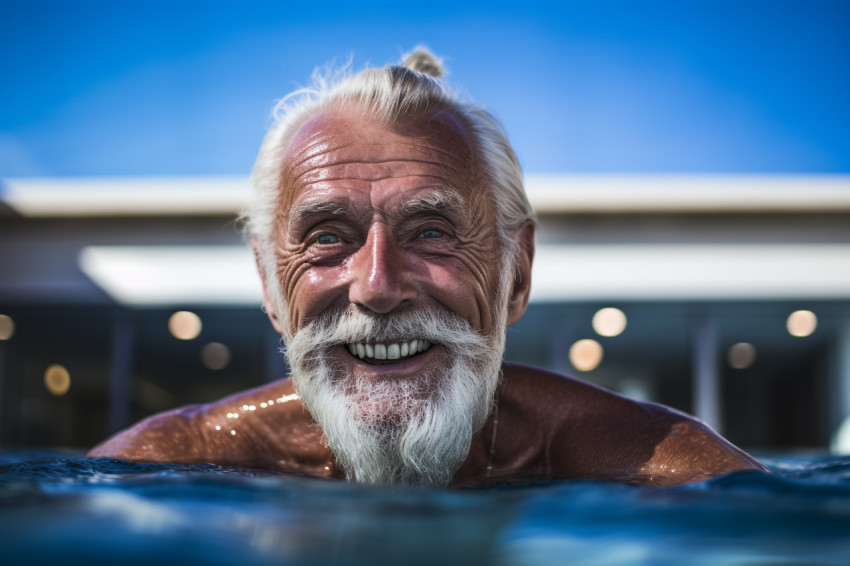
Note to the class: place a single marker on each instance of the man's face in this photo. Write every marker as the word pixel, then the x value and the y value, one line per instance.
pixel 392 307
pixel 385 221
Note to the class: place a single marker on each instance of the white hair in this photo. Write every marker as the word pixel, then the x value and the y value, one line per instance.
pixel 391 94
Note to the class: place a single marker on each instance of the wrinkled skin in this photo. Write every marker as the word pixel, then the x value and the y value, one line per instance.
pixel 394 219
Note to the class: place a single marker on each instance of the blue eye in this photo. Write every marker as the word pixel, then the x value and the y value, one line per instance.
pixel 327 239
pixel 432 234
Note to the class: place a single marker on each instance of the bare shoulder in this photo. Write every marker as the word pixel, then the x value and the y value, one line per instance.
pixel 164 437
pixel 594 432
pixel 690 451
pixel 199 433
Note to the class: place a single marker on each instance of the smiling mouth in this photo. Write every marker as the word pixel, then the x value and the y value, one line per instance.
pixel 387 353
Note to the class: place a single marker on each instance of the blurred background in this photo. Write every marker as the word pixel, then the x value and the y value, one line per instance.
pixel 690 163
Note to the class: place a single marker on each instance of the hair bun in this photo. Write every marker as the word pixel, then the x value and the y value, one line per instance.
pixel 423 61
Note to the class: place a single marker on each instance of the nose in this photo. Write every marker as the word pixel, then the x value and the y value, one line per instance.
pixel 380 278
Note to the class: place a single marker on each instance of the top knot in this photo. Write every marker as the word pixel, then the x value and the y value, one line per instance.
pixel 423 61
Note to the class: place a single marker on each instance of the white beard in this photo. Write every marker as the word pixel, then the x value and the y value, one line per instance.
pixel 408 431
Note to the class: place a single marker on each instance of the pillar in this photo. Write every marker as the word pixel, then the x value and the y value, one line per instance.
pixel 120 381
pixel 706 373
pixel 839 391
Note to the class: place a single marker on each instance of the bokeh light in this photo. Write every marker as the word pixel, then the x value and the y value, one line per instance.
pixel 7 327
pixel 586 355
pixel 741 355
pixel 184 325
pixel 609 322
pixel 57 380
pixel 215 355
pixel 802 323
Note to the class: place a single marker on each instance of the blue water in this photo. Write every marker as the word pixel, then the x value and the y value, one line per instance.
pixel 59 509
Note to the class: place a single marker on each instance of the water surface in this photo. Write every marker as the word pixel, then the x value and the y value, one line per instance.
pixel 64 509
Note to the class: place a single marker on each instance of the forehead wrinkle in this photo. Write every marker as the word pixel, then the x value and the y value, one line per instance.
pixel 438 180
pixel 294 166
pixel 324 139
pixel 323 170
pixel 407 141
pixel 298 158
pixel 453 156
pixel 427 146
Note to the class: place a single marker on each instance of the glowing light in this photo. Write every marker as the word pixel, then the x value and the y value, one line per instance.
pixel 609 322
pixel 215 355
pixel 184 325
pixel 741 355
pixel 263 405
pixel 233 433
pixel 218 427
pixel 57 380
pixel 802 323
pixel 7 327
pixel 585 355
pixel 840 443
pixel 174 275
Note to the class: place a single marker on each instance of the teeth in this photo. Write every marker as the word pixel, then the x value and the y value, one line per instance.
pixel 392 351
pixel 380 352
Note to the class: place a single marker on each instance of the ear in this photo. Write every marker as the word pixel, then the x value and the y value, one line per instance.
pixel 518 299
pixel 267 304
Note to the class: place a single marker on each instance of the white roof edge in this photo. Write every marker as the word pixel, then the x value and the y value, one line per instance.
pixel 680 271
pixel 548 193
pixel 669 193
pixel 226 275
pixel 126 196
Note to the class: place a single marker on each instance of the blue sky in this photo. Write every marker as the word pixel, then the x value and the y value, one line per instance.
pixel 172 88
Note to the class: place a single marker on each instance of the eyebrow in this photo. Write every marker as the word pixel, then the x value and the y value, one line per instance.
pixel 311 210
pixel 447 200
pixel 316 207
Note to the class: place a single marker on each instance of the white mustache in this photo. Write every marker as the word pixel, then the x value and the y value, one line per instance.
pixel 353 325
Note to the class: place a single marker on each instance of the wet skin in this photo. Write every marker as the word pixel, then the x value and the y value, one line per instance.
pixel 549 427
pixel 388 220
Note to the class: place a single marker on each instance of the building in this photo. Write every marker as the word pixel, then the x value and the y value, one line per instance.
pixel 705 273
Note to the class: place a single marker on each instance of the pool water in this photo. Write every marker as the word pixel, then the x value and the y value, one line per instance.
pixel 62 509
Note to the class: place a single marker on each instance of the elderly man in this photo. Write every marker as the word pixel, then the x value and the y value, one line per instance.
pixel 395 243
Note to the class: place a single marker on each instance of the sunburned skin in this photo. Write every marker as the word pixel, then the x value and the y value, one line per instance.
pixel 393 219
pixel 367 205
pixel 384 220
pixel 549 427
